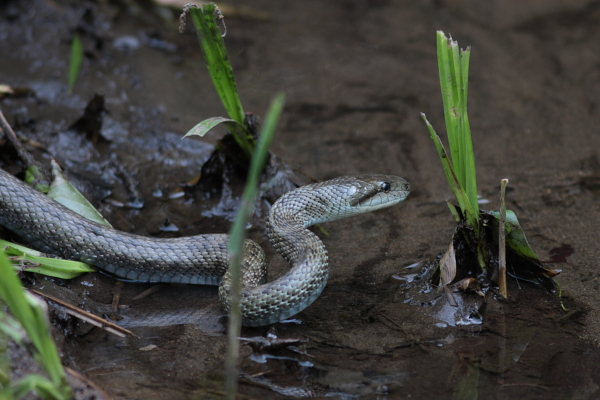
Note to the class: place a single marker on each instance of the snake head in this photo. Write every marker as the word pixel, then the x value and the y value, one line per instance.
pixel 372 192
pixel 339 198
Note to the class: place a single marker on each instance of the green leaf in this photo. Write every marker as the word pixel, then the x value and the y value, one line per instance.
pixel 203 127
pixel 13 249
pixel 63 192
pixel 76 60
pixel 463 201
pixel 515 237
pixel 26 259
pixel 58 268
pixel 35 177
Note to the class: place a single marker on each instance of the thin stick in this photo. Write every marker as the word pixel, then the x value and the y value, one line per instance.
pixel 116 296
pixel 37 178
pixel 87 316
pixel 12 138
pixel 502 241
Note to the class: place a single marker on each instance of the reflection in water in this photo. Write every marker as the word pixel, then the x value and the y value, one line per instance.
pixel 448 307
pixel 283 366
pixel 177 305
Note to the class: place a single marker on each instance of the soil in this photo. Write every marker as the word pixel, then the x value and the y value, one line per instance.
pixel 357 75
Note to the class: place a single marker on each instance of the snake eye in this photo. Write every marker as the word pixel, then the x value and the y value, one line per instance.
pixel 385 187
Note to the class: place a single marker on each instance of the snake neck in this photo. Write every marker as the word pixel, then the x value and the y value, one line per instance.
pixel 300 286
pixel 294 242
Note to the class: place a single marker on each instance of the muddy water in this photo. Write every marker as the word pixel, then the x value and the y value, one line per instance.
pixel 356 76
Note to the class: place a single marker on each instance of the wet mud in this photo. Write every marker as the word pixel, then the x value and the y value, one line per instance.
pixel 357 75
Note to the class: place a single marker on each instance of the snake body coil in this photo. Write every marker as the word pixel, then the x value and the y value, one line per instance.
pixel 203 259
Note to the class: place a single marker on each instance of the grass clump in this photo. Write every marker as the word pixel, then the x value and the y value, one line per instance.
pixel 221 73
pixel 480 229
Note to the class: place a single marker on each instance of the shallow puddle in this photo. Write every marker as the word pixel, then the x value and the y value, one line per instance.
pixel 525 347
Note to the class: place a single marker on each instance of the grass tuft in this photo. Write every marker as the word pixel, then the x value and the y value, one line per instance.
pixel 221 72
pixel 459 168
pixel 453 65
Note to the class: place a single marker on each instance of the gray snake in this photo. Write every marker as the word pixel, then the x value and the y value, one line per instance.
pixel 203 259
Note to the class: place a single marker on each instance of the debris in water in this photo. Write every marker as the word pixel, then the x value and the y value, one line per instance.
pixel 560 254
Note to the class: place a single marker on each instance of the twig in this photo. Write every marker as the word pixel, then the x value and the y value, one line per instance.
pixel 87 316
pixel 116 296
pixel 12 138
pixel 149 291
pixel 534 385
pixel 40 180
pixel 502 242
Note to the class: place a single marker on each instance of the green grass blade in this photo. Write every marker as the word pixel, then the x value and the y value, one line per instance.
pixel 28 311
pixel 220 70
pixel 238 236
pixel 455 110
pixel 445 73
pixel 457 189
pixel 76 60
pixel 58 268
pixel 515 236
pixel 11 327
pixel 467 154
pixel 453 66
pixel 25 259
pixel 8 322
pixel 38 384
pixel 215 54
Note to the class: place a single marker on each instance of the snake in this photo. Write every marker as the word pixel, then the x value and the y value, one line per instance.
pixel 203 259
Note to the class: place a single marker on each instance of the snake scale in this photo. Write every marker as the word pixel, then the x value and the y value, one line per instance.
pixel 203 259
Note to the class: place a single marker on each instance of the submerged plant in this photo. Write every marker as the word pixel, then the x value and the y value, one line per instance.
pixel 479 229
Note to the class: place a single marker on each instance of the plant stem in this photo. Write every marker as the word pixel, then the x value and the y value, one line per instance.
pixel 237 238
pixel 502 241
pixel 76 60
